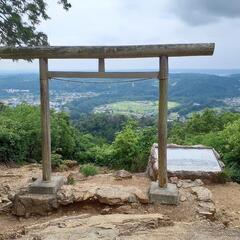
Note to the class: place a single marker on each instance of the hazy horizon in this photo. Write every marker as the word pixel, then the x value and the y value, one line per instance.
pixel 123 22
pixel 171 71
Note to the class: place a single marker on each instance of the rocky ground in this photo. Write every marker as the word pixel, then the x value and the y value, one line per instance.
pixel 110 206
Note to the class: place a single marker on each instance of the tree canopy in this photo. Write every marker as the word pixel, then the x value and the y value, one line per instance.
pixel 19 19
pixel 211 128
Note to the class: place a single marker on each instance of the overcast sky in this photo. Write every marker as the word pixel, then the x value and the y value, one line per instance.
pixel 120 22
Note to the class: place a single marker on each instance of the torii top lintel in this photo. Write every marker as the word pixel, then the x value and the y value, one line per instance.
pixel 127 51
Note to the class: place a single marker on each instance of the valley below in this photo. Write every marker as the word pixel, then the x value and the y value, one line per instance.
pixel 188 92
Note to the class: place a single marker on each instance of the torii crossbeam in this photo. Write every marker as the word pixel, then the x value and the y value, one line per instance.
pixel 163 52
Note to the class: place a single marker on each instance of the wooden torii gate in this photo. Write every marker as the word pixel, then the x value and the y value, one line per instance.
pixel 163 52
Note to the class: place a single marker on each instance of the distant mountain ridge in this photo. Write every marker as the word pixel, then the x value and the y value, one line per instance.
pixel 194 91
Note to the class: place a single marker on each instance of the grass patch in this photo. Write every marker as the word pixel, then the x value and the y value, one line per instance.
pixel 88 170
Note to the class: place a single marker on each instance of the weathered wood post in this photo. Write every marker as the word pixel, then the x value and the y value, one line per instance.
pixel 162 122
pixel 45 120
pixel 101 65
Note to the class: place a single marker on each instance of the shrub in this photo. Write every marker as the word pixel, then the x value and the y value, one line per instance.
pixel 70 163
pixel 103 155
pixel 88 170
pixel 56 160
pixel 125 147
pixel 70 180
pixel 12 149
pixel 131 147
pixel 62 168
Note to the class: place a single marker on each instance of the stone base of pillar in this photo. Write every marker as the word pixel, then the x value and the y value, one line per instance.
pixel 168 195
pixel 26 204
pixel 44 187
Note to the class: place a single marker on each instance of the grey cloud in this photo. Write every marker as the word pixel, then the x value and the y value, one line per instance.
pixel 199 12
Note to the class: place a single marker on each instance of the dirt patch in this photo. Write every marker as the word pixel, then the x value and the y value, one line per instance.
pixel 226 197
pixel 227 200
pixel 122 226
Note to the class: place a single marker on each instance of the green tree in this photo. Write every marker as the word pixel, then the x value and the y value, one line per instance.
pixel 200 124
pixel 218 130
pixel 101 124
pixel 19 19
pixel 20 135
pixel 131 147
pixel 125 146
pixel 85 143
pixel 231 149
pixel 63 135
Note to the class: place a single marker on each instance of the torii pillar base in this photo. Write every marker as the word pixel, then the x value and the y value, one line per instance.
pixel 168 195
pixel 46 187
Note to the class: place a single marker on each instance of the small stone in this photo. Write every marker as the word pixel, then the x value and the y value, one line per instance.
pixel 174 180
pixel 226 223
pixel 202 193
pixel 206 214
pixel 34 178
pixel 135 205
pixel 61 225
pixel 125 209
pixel 11 195
pixel 207 206
pixel 179 184
pixel 198 182
pixel 76 176
pixel 188 183
pixel 106 210
pixel 6 188
pixel 183 198
pixel 37 238
pixel 5 200
pixel 122 174
pixel 132 199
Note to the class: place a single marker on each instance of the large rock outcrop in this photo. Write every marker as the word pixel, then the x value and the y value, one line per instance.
pixel 26 204
pixel 117 226
pixel 106 194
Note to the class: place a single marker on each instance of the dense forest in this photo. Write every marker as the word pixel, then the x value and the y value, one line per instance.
pixel 114 141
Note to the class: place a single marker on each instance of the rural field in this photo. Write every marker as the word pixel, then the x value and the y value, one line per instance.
pixel 135 108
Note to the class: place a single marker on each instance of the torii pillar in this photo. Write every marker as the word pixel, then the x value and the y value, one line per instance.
pixel 162 191
pixel 47 184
